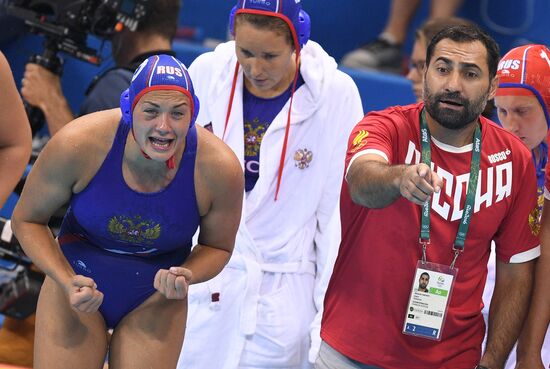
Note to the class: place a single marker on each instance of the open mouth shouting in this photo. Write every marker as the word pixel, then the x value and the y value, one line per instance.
pixel 161 144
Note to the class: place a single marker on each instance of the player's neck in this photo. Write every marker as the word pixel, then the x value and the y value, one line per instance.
pixel 453 137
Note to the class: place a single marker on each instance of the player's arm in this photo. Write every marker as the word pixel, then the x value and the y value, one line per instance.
pixel 532 337
pixel 50 184
pixel 374 183
pixel 224 181
pixel 48 187
pixel 15 133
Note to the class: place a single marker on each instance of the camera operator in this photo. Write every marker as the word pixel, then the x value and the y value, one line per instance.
pixel 15 151
pixel 154 35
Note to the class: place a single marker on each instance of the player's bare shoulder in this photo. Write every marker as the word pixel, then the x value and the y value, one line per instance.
pixel 94 131
pixel 217 167
pixel 90 134
pixel 214 157
pixel 81 146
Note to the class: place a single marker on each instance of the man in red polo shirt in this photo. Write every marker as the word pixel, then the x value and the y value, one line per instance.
pixel 428 186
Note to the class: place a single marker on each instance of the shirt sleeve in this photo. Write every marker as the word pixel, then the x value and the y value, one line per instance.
pixel 374 134
pixel 517 238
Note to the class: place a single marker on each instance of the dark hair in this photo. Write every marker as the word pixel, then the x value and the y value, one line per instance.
pixel 426 274
pixel 266 22
pixel 469 33
pixel 431 27
pixel 163 18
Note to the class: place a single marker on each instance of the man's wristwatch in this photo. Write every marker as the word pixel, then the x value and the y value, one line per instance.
pixel 480 367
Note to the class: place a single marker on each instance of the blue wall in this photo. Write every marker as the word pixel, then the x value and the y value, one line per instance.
pixel 341 26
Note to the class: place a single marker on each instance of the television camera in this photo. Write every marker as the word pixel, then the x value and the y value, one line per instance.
pixel 66 25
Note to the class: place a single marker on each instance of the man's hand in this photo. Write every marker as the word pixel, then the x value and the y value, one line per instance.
pixel 419 183
pixel 40 86
pixel 83 294
pixel 173 283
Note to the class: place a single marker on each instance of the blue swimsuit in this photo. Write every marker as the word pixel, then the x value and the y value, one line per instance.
pixel 120 238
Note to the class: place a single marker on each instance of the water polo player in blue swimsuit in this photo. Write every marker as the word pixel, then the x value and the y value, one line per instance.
pixel 138 187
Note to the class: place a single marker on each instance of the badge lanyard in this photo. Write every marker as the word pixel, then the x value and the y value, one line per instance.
pixel 427 308
pixel 458 245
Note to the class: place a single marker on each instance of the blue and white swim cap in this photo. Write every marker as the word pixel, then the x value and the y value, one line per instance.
pixel 158 72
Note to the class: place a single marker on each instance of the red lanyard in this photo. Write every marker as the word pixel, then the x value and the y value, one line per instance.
pixel 287 129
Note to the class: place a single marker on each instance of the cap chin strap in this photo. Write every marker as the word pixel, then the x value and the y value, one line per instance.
pixel 170 163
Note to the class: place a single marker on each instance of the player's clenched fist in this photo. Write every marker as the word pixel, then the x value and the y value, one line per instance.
pixel 173 283
pixel 83 294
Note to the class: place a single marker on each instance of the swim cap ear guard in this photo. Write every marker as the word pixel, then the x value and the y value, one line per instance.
pixel 158 72
pixel 125 107
pixel 289 10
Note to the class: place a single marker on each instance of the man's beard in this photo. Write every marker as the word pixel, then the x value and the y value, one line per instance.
pixel 451 118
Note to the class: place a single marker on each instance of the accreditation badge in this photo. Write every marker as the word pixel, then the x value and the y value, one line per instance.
pixel 429 300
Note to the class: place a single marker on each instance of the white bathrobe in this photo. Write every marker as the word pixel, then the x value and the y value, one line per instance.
pixel 271 292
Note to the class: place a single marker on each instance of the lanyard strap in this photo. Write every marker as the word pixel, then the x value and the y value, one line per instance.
pixel 287 128
pixel 425 139
pixel 231 96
